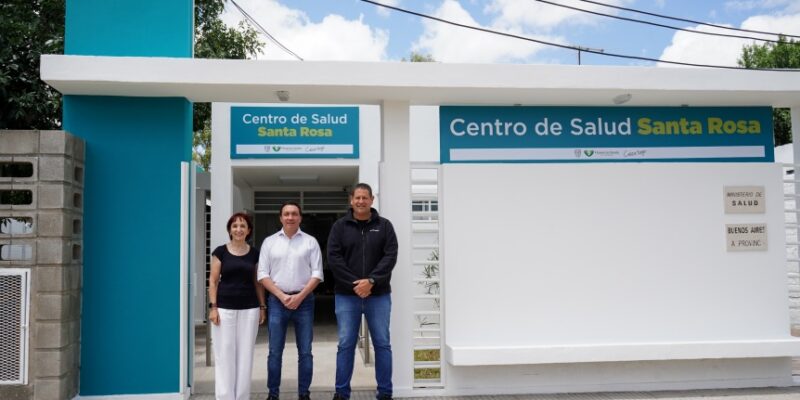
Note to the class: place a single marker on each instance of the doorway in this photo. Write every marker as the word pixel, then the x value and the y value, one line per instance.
pixel 321 208
pixel 317 225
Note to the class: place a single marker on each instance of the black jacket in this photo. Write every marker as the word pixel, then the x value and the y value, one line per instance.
pixel 355 253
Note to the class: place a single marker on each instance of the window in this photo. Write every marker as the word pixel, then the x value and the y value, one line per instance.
pixel 422 210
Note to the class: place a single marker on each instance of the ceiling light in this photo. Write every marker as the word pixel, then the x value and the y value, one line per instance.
pixel 283 95
pixel 298 179
pixel 622 98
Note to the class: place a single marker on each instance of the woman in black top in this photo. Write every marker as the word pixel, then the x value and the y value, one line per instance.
pixel 236 309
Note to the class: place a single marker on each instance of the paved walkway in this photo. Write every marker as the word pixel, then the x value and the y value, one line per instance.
pixel 325 343
pixel 791 393
pixel 324 350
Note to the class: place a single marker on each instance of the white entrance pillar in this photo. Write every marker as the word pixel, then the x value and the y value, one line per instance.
pixel 222 175
pixel 794 114
pixel 395 204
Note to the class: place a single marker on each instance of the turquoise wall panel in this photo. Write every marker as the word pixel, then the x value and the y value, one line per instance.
pixel 148 28
pixel 130 333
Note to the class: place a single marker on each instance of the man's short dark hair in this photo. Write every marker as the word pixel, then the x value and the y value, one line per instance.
pixel 290 203
pixel 361 185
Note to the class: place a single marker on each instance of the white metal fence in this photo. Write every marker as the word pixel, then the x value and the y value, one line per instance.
pixel 427 334
pixel 791 197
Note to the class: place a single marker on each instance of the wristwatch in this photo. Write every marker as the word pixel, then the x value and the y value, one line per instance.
pixel 212 305
pixel 371 281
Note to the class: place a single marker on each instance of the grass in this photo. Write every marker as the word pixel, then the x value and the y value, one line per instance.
pixel 426 355
pixel 427 373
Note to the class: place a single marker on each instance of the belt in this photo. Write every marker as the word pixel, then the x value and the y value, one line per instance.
pixel 292 293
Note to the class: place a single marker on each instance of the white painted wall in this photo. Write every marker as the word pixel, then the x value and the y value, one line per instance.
pixel 395 173
pixel 221 173
pixel 370 148
pixel 424 133
pixel 241 199
pixel 574 263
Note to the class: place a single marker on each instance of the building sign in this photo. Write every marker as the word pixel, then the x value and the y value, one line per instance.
pixel 744 199
pixel 746 237
pixel 605 134
pixel 294 132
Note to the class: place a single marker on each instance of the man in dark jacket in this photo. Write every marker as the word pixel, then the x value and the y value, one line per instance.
pixel 362 250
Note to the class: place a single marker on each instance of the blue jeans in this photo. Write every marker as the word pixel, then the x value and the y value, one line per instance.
pixel 278 318
pixel 377 310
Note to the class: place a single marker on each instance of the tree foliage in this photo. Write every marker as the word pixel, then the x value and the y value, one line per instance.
pixel 214 39
pixel 419 57
pixel 784 54
pixel 28 29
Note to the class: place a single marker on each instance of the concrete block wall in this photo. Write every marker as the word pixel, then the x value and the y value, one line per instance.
pixel 55 265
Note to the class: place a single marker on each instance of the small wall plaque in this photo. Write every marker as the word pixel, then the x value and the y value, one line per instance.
pixel 746 237
pixel 744 199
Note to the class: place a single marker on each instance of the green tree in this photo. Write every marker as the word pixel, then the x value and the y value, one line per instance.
pixel 419 57
pixel 28 29
pixel 214 39
pixel 783 54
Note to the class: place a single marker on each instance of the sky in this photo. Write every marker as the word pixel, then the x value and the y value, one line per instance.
pixel 353 30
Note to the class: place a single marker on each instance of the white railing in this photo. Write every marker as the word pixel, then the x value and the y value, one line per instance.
pixel 791 212
pixel 427 331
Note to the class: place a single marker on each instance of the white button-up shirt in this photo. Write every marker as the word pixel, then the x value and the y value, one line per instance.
pixel 290 262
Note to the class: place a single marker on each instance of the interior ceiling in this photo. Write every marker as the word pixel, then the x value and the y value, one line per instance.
pixel 291 177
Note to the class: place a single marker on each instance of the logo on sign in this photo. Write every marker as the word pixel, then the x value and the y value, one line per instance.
pixel 588 153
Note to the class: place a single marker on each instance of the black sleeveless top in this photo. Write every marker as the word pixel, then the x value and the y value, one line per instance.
pixel 236 290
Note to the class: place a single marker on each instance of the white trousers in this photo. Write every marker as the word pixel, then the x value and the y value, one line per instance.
pixel 234 341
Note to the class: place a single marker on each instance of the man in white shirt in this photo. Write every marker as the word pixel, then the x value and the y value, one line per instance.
pixel 290 267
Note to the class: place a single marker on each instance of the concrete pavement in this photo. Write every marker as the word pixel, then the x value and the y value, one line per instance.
pixel 363 378
pixel 789 393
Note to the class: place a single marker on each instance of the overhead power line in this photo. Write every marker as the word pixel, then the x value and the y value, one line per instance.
pixel 564 46
pixel 633 10
pixel 639 21
pixel 264 31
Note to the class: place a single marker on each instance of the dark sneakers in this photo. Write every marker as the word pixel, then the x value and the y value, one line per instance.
pixel 383 396
pixel 337 396
pixel 299 397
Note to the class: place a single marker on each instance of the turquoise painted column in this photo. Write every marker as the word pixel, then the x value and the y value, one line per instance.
pixel 130 322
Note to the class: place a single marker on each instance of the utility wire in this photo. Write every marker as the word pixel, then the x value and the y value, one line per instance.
pixel 639 21
pixel 264 31
pixel 564 46
pixel 633 10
